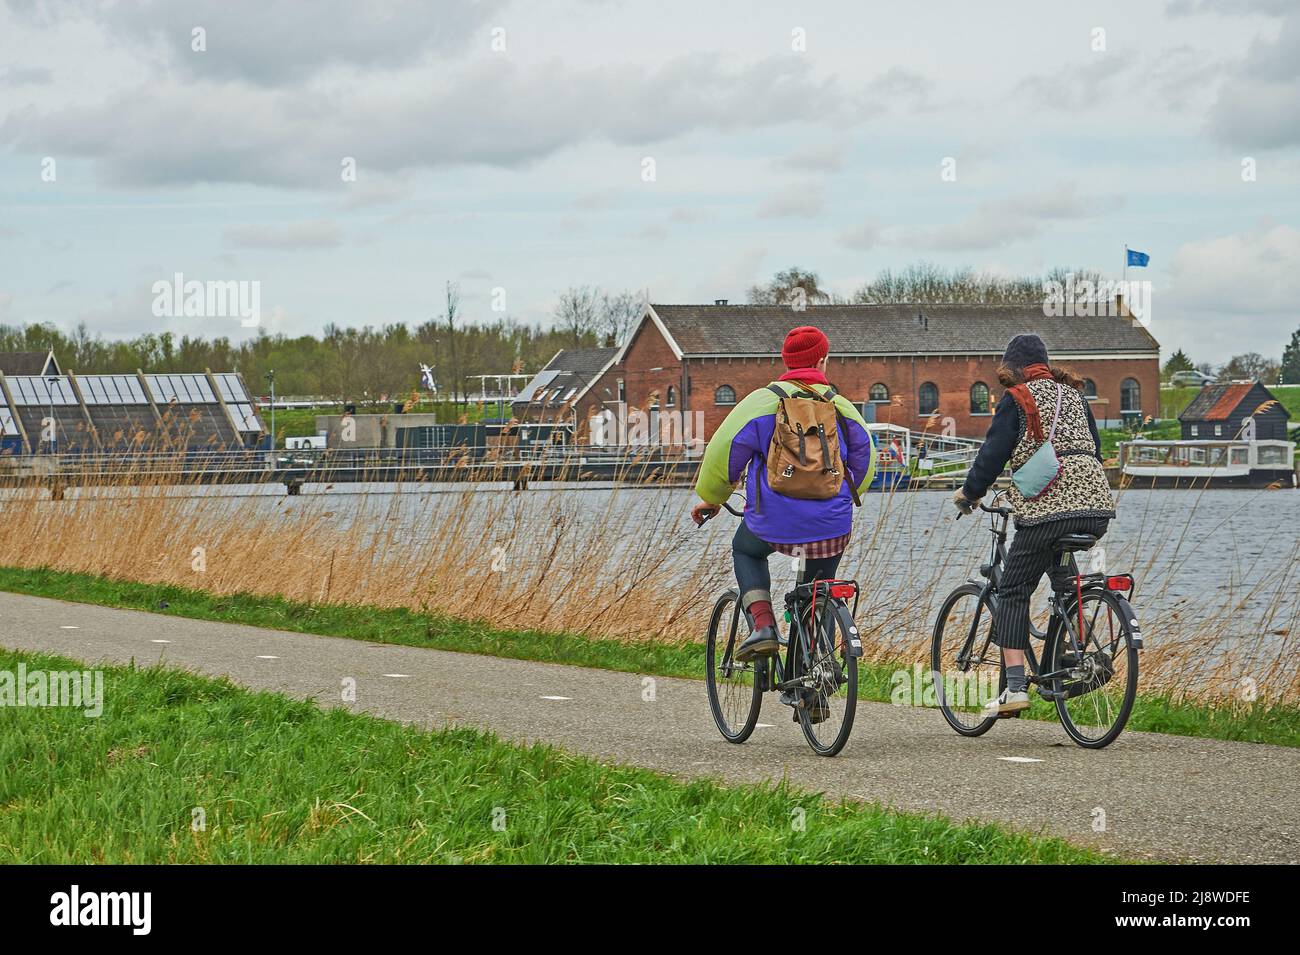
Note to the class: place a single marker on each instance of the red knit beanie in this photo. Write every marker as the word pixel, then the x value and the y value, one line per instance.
pixel 804 347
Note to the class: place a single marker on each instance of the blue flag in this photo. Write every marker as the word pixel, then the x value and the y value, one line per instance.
pixel 1138 258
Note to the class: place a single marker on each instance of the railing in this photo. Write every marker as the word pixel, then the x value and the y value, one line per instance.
pixel 263 464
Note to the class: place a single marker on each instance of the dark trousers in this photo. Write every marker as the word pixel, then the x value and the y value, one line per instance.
pixel 1029 556
pixel 750 553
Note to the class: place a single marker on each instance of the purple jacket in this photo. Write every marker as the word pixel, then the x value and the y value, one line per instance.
pixel 739 448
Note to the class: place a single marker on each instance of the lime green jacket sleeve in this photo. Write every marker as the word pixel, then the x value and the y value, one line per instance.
pixel 860 455
pixel 732 446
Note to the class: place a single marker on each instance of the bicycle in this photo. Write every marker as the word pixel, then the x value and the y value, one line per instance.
pixel 819 673
pixel 1089 669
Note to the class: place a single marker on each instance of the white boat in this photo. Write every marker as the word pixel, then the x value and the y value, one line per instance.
pixel 1180 463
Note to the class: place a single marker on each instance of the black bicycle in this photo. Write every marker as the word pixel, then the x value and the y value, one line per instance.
pixel 1089 666
pixel 816 672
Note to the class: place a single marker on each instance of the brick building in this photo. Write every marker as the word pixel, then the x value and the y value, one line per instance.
pixel 899 363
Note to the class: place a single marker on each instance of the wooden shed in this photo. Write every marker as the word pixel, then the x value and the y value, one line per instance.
pixel 1220 411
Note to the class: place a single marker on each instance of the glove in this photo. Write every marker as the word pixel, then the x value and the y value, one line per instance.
pixel 962 502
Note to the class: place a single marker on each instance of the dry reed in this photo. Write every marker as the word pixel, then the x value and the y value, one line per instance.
pixel 625 562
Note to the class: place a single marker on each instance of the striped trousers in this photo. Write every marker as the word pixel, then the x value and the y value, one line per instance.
pixel 1029 556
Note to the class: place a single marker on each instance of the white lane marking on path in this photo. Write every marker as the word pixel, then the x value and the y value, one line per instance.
pixel 69 627
pixel 555 697
pixel 1019 759
pixel 160 641
pixel 762 726
pixel 268 658
pixel 399 676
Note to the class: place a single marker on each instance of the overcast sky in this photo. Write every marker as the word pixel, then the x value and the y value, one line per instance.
pixel 781 133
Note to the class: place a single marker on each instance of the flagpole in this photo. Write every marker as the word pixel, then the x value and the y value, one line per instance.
pixel 1126 264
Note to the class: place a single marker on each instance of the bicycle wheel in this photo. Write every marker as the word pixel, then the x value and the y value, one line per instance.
pixel 831 674
pixel 735 696
pixel 965 663
pixel 1095 701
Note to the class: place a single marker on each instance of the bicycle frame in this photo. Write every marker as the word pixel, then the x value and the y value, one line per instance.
pixel 803 599
pixel 1063 606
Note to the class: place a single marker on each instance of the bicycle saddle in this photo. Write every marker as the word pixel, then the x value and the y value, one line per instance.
pixel 1073 542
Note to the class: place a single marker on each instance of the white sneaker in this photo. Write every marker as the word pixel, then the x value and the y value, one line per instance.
pixel 1007 702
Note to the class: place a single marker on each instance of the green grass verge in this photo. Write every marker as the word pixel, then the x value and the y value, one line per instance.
pixel 282 781
pixel 1252 723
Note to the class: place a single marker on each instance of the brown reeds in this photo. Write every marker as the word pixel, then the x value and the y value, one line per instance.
pixel 1218 605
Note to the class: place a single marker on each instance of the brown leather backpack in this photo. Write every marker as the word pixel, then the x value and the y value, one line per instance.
pixel 804 459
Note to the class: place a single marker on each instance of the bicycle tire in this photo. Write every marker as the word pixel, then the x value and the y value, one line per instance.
pixel 1068 722
pixel 849 684
pixel 936 659
pixel 714 663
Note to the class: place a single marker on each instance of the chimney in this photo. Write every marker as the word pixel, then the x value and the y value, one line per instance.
pixel 719 301
pixel 1121 309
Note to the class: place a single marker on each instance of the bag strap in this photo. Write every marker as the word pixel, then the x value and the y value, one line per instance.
pixel 1056 415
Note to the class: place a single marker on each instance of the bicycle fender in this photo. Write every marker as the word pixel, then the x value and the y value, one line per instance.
pixel 1129 616
pixel 846 621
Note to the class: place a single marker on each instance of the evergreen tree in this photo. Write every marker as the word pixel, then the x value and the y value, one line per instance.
pixel 1291 360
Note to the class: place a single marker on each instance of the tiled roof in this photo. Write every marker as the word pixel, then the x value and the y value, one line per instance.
pixel 896 329
pixel 1216 402
pixel 23 362
pixel 565 376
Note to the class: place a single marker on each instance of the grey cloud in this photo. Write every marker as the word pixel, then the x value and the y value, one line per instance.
pixel 821 157
pixel 798 201
pixel 317 234
pixel 1004 221
pixel 498 114
pixel 25 76
pixel 273 43
pixel 1259 104
pixel 864 237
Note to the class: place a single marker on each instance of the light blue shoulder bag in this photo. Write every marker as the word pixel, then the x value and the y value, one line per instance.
pixel 1039 473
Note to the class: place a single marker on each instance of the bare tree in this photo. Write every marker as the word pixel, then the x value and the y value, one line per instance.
pixel 618 316
pixel 931 284
pixel 577 313
pixel 788 286
pixel 453 306
pixel 1250 365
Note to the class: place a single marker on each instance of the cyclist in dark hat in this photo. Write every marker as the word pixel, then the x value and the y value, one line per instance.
pixel 1042 402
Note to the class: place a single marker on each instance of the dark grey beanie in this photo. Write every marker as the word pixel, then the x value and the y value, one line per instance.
pixel 1024 350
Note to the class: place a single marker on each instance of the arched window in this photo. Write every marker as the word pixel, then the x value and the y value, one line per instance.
pixel 979 398
pixel 672 397
pixel 725 395
pixel 1130 395
pixel 878 392
pixel 1089 388
pixel 929 398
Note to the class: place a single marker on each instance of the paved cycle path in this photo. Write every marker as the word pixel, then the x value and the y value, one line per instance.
pixel 1163 797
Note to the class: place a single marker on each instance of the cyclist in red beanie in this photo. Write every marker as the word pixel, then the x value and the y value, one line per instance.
pixel 815 530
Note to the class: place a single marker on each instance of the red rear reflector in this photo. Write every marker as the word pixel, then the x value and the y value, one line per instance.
pixel 1118 583
pixel 843 591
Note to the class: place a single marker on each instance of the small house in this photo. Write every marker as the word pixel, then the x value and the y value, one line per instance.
pixel 1220 412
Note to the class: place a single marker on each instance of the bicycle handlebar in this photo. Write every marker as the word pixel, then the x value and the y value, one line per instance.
pixel 728 506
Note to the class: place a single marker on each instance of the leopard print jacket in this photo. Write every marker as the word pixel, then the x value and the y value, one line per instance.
pixel 1080 489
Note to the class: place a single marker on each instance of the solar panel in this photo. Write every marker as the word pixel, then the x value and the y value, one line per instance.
pixel 111 390
pixel 538 383
pixel 183 389
pixel 30 390
pixel 231 388
pixel 245 418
